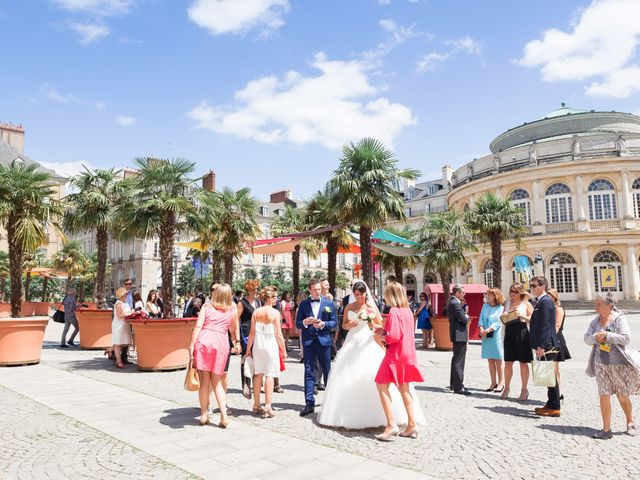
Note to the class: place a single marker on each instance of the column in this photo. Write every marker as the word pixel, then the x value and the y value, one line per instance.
pixel 581 205
pixel 537 210
pixel 633 275
pixel 475 273
pixel 507 279
pixel 499 192
pixel 585 275
pixel 627 222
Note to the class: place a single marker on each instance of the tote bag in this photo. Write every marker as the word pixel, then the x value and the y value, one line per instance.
pixel 544 374
pixel 191 379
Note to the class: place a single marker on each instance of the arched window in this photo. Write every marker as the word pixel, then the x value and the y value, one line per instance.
pixel 520 198
pixel 265 230
pixel 487 273
pixel 430 278
pixel 465 207
pixel 557 200
pixel 635 187
pixel 563 275
pixel 607 272
pixel 602 200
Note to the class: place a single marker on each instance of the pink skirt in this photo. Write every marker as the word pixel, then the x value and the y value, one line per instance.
pixel 398 373
pixel 287 321
pixel 211 351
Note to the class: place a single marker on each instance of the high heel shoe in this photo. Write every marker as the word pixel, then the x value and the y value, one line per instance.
pixel 204 419
pixel 412 434
pixel 505 393
pixel 120 365
pixel 224 423
pixel 386 436
pixel 492 388
pixel 259 409
pixel 562 398
pixel 269 413
pixel 524 398
pixel 499 390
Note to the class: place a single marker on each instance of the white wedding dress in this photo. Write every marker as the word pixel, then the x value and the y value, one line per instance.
pixel 351 399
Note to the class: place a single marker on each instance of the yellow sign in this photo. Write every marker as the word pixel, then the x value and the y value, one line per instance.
pixel 608 278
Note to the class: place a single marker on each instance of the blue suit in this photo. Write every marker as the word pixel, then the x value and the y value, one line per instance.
pixel 316 342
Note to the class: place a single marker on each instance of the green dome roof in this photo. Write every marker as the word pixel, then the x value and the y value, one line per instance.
pixel 564 110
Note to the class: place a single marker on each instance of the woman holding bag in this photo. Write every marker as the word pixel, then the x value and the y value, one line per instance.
pixel 614 362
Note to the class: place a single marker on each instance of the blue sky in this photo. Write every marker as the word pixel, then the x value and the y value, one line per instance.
pixel 265 92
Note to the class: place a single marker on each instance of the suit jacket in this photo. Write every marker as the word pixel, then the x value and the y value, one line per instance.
pixel 310 333
pixel 543 325
pixel 457 321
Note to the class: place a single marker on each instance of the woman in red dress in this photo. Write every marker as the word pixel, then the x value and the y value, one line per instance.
pixel 400 363
pixel 288 324
pixel 209 349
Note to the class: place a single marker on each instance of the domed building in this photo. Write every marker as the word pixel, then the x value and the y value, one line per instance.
pixel 576 176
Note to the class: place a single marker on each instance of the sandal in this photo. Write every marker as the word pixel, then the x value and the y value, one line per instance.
pixel 259 410
pixel 268 413
pixel 278 389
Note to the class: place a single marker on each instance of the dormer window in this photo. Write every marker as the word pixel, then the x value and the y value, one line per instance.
pixel 411 194
pixel 264 211
pixel 278 212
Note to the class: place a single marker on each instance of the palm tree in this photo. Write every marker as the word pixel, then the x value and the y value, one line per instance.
pixel 321 211
pixel 229 218
pixel 291 221
pixel 4 273
pixel 73 260
pixel 365 187
pixel 94 206
pixel 27 205
pixel 495 219
pixel 397 264
pixel 156 203
pixel 30 261
pixel 444 239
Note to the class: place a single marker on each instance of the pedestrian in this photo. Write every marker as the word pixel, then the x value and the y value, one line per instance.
pixel 152 309
pixel 563 353
pixel 246 306
pixel 613 361
pixel 459 336
pixel 70 304
pixel 288 323
pixel 120 328
pixel 544 340
pixel 138 304
pixel 424 320
pixel 490 333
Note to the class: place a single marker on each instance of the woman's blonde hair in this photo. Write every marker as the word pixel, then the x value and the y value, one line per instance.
pixel 251 284
pixel 553 293
pixel 268 292
pixel 222 297
pixel 519 288
pixel 394 295
pixel 497 295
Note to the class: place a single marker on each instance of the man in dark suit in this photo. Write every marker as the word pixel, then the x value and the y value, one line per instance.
pixel 458 334
pixel 544 339
pixel 315 319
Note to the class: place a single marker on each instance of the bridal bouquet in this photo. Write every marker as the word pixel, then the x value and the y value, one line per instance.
pixel 367 316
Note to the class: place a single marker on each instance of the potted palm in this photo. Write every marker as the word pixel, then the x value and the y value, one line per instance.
pixel 27 204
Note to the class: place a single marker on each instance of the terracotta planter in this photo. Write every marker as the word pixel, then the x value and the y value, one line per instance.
pixel 5 310
pixel 35 308
pixel 441 333
pixel 21 340
pixel 95 328
pixel 163 344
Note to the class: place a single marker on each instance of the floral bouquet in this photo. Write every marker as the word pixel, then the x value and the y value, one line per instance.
pixel 138 315
pixel 368 316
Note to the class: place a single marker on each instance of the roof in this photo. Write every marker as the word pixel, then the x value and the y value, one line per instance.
pixel 8 154
pixel 564 110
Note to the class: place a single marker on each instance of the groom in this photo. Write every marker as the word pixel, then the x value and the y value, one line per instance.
pixel 316 318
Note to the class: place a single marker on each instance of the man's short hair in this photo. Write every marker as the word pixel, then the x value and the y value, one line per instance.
pixel 540 280
pixel 126 280
pixel 392 279
pixel 314 281
pixel 456 289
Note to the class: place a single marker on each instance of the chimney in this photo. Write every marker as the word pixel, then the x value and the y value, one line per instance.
pixel 209 181
pixel 281 196
pixel 12 135
pixel 447 174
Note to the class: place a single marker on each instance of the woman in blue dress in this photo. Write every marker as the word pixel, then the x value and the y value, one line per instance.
pixel 490 331
pixel 424 320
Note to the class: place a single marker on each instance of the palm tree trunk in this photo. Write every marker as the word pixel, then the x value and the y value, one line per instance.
pixel 45 285
pixel 67 285
pixel 496 260
pixel 15 268
pixel 398 269
pixel 228 268
pixel 332 257
pixel 102 240
pixel 27 284
pixel 446 288
pixel 3 286
pixel 81 291
pixel 167 237
pixel 295 260
pixel 367 261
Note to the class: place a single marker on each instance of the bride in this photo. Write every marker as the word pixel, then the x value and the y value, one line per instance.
pixel 351 399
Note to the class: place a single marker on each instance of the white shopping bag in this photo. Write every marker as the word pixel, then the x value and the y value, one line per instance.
pixel 544 374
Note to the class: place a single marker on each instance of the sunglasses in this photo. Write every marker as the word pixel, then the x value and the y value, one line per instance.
pixel 534 285
pixel 127 284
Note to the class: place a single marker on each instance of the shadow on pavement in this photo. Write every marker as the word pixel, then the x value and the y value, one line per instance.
pixel 180 417
pixel 98 364
pixel 580 431
pixel 512 411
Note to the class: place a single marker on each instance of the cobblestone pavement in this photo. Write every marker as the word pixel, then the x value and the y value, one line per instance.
pixel 480 436
pixel 39 443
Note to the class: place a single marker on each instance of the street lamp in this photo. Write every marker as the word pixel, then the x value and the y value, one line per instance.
pixel 540 259
pixel 175 280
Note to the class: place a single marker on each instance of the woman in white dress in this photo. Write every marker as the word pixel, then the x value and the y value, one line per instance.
pixel 264 345
pixel 120 328
pixel 351 398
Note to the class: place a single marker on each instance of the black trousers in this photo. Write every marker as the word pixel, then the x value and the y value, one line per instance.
pixel 457 365
pixel 553 397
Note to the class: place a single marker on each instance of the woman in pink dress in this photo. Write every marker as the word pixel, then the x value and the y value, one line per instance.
pixel 286 306
pixel 209 349
pixel 400 363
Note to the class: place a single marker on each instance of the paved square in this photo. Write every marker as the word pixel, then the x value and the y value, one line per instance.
pixel 75 416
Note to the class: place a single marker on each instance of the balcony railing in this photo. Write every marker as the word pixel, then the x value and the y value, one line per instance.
pixel 560 227
pixel 604 225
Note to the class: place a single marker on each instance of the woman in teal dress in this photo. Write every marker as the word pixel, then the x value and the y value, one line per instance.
pixel 490 331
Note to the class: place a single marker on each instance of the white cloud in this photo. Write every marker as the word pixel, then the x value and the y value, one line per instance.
pixel 52 94
pixel 89 32
pixel 238 16
pixel 336 106
pixel 396 35
pixel 99 8
pixel 384 2
pixel 67 169
pixel 467 45
pixel 99 105
pixel 602 44
pixel 126 121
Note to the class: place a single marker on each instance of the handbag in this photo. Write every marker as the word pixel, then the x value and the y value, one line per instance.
pixel 191 379
pixel 509 317
pixel 544 375
pixel 58 315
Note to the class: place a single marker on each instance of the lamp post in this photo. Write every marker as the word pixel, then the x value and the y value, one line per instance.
pixel 540 259
pixel 175 281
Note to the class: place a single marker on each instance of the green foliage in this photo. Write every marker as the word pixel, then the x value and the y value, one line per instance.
pixel 342 281
pixel 306 277
pixel 186 279
pixel 278 277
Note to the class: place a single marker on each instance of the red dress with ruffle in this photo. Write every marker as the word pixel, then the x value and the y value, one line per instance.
pixel 400 363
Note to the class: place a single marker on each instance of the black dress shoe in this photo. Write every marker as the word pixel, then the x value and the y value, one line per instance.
pixel 315 390
pixel 64 346
pixel 307 410
pixel 320 387
pixel 464 391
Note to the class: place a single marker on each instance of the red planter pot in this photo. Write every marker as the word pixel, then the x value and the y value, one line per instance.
pixel 441 333
pixel 5 310
pixel 95 328
pixel 21 340
pixel 163 344
pixel 35 308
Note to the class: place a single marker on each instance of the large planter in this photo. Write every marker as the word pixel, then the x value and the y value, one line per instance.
pixel 35 308
pixel 163 344
pixel 5 310
pixel 441 333
pixel 95 328
pixel 21 340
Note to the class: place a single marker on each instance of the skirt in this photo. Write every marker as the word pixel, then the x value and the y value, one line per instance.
pixel 120 332
pixel 517 347
pixel 616 379
pixel 424 322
